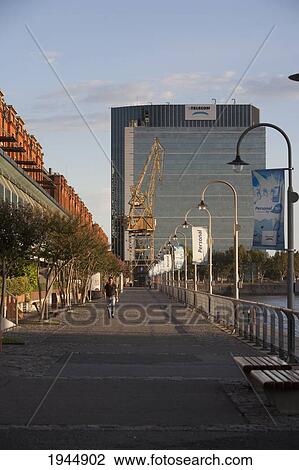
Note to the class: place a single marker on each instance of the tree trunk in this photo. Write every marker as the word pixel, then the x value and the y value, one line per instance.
pixel 3 290
pixel 39 287
pixel 61 279
pixel 85 290
pixel 69 285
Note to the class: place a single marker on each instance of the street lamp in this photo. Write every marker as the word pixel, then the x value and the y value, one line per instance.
pixel 210 244
pixel 185 252
pixel 294 77
pixel 292 197
pixel 186 224
pixel 202 205
pixel 171 247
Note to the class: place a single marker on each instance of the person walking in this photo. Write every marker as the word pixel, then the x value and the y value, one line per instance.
pixel 111 295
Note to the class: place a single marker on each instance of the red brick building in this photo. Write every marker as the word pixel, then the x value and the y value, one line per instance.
pixel 18 144
pixel 27 153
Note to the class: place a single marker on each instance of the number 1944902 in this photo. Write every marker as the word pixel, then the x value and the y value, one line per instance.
pixel 77 459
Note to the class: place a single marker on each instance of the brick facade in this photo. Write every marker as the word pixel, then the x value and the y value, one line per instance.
pixel 30 159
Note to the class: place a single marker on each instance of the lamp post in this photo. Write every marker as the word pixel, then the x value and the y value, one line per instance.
pixel 202 204
pixel 210 244
pixel 167 281
pixel 292 197
pixel 186 224
pixel 179 270
pixel 185 253
pixel 172 260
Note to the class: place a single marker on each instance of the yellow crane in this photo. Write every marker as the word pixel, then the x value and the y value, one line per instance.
pixel 141 221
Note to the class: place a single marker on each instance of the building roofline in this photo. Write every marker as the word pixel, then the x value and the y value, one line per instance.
pixel 180 104
pixel 31 181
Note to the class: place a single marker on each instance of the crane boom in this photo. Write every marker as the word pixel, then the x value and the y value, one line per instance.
pixel 141 217
pixel 141 221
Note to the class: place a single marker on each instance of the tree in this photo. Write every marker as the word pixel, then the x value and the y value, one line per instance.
pixel 63 243
pixel 223 264
pixel 259 259
pixel 244 261
pixel 20 231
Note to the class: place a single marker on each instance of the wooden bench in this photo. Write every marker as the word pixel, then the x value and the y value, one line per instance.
pixel 250 363
pixel 280 386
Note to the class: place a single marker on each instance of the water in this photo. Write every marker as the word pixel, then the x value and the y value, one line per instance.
pixel 276 300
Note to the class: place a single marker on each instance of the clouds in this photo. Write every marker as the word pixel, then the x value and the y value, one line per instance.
pixel 174 86
pixel 98 92
pixel 67 122
pixel 264 87
pixel 55 111
pixel 52 56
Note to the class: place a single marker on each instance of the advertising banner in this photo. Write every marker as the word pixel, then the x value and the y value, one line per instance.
pixel 199 245
pixel 268 206
pixel 179 256
pixel 160 267
pixel 167 263
pixel 200 112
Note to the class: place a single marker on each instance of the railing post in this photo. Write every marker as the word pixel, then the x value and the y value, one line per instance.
pixel 280 334
pixel 291 338
pixel 251 318
pixel 265 328
pixel 272 332
pixel 257 326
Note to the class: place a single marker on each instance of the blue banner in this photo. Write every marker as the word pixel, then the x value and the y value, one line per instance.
pixel 268 204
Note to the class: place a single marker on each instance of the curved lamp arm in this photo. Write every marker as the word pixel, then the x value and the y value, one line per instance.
pixel 202 203
pixel 273 126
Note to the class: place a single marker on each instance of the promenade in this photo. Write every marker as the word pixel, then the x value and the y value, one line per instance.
pixel 156 376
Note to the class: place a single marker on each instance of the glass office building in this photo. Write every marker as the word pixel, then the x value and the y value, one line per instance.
pixel 199 140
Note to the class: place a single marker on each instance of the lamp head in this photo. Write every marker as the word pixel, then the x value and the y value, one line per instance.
pixel 175 236
pixel 202 205
pixel 294 77
pixel 238 164
pixel 185 224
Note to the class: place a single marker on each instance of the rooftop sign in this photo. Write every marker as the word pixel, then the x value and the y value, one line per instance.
pixel 200 112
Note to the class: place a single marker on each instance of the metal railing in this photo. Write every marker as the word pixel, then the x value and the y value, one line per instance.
pixel 266 326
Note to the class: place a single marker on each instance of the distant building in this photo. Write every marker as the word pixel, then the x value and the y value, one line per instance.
pixel 199 140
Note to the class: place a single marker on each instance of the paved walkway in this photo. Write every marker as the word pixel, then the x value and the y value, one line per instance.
pixel 156 376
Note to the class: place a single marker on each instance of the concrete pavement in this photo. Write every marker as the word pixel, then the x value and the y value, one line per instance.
pixel 156 376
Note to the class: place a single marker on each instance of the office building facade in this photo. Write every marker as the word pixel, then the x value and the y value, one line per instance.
pixel 199 140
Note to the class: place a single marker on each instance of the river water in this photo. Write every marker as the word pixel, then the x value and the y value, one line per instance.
pixel 277 300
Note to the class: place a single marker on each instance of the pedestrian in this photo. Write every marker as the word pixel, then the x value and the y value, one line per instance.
pixel 111 295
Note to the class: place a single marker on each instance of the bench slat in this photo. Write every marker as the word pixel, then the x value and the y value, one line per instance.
pixel 292 377
pixel 248 363
pixel 273 375
pixel 278 360
pixel 259 377
pixel 287 383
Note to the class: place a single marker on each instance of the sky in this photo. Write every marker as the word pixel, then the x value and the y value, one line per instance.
pixel 65 63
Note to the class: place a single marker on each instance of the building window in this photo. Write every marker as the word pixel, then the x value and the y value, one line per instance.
pixel 14 199
pixel 7 195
